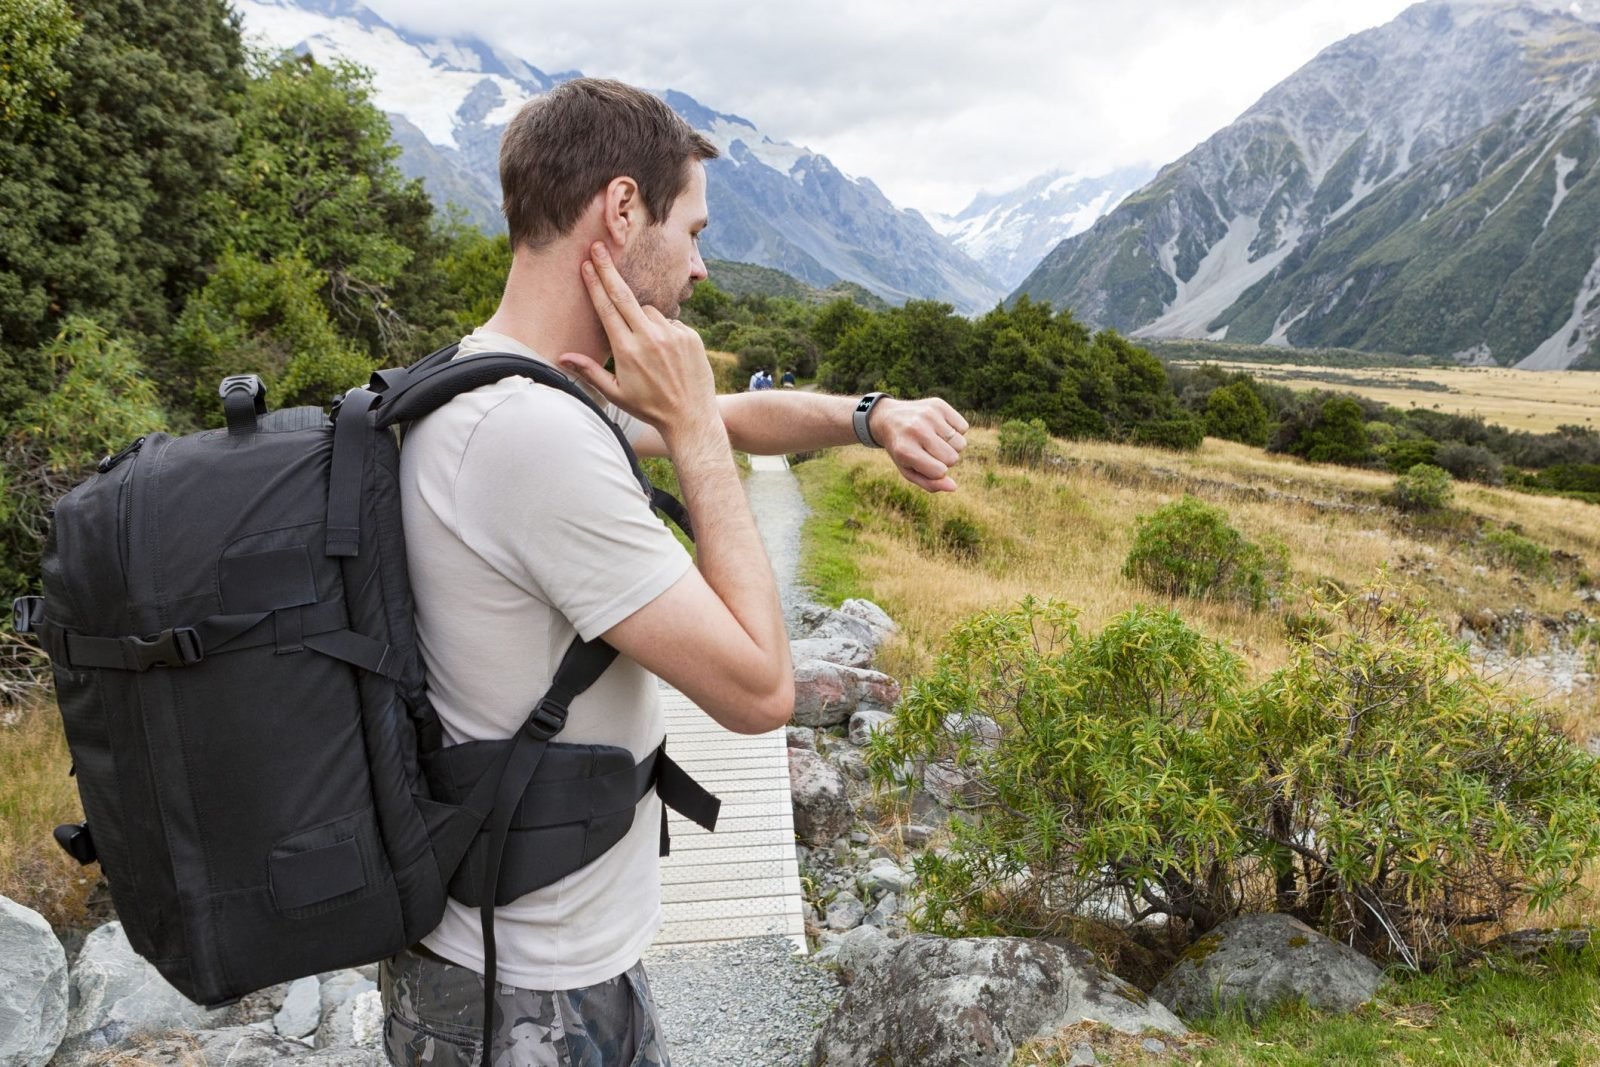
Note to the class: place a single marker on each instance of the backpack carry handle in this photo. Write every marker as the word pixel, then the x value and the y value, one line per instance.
pixel 244 399
pixel 429 390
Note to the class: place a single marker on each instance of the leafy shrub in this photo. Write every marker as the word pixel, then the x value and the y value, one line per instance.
pixel 1472 463
pixel 1422 488
pixel 1182 432
pixel 1024 443
pixel 894 495
pixel 1510 549
pixel 1188 548
pixel 960 536
pixel 1406 453
pixel 1375 787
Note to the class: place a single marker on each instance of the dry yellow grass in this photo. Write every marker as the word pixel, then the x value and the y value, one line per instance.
pixel 1064 531
pixel 1537 401
pixel 35 796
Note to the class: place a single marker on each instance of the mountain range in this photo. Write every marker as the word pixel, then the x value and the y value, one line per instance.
pixel 1429 186
pixel 772 203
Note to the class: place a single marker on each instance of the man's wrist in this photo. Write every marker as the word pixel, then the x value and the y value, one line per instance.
pixel 860 418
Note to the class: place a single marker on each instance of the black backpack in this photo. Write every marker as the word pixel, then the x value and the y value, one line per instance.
pixel 230 626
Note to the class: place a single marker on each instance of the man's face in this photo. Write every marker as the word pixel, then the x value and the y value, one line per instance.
pixel 662 263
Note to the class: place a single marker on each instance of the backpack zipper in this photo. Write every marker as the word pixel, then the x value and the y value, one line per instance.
pixel 108 463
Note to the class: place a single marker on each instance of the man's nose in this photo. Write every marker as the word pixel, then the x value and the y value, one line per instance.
pixel 697 269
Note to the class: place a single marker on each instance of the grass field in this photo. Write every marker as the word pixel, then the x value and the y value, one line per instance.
pixel 1537 401
pixel 1063 530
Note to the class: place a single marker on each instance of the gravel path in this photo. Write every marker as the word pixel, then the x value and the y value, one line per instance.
pixel 751 1003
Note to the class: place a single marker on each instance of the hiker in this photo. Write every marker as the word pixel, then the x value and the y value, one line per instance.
pixel 788 378
pixel 525 526
pixel 755 379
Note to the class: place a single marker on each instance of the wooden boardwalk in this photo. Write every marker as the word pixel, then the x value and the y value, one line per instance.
pixel 743 880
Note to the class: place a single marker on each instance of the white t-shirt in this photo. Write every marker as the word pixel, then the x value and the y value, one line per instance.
pixel 524 528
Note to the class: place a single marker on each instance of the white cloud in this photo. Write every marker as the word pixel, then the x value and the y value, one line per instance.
pixel 935 99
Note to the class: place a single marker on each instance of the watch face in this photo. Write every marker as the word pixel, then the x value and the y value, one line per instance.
pixel 866 402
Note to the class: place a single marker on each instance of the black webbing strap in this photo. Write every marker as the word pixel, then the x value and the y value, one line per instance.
pixel 350 430
pixel 176 647
pixel 583 663
pixel 683 795
pixel 358 650
pixel 672 508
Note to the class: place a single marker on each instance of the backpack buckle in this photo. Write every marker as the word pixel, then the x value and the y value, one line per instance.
pixel 169 648
pixel 547 720
pixel 27 612
pixel 75 840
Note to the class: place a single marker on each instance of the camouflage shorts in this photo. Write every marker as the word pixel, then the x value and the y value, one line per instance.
pixel 433 1016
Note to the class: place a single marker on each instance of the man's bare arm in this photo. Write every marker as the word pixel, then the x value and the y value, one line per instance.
pixel 718 634
pixel 924 438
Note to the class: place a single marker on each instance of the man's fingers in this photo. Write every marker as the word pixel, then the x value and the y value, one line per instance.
pixel 945 484
pixel 591 372
pixel 952 416
pixel 611 319
pixel 615 288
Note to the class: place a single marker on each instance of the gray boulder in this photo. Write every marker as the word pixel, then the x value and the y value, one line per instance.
pixel 853 950
pixel 33 987
pixel 949 785
pixel 846 651
pixel 235 1046
pixel 845 912
pixel 886 876
pixel 826 694
pixel 875 617
pixel 800 737
pixel 971 1003
pixel 301 1011
pixel 116 994
pixel 338 998
pixel 820 623
pixel 822 808
pixel 865 723
pixel 1256 961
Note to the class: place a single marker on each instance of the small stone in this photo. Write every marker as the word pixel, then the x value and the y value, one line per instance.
pixel 1150 1044
pixel 800 737
pixel 883 912
pixel 846 912
pixel 1083 1056
pixel 915 834
pixel 859 837
pixel 301 1011
pixel 865 723
pixel 841 851
pixel 886 876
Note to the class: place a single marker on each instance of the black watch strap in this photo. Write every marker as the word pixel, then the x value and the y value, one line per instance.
pixel 859 418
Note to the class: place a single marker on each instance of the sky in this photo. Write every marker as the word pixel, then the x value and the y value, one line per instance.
pixel 935 100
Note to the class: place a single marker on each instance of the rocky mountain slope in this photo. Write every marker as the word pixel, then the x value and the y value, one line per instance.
pixel 772 203
pixel 1010 232
pixel 1429 186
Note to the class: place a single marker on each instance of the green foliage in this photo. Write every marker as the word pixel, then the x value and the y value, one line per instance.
pixel 1339 434
pixel 261 318
pixel 1511 549
pixel 1188 548
pixel 101 402
pixel 107 178
pixel 1235 412
pixel 1422 488
pixel 1405 453
pixel 1472 463
pixel 959 536
pixel 1375 787
pixel 1024 444
pixel 1180 433
pixel 473 267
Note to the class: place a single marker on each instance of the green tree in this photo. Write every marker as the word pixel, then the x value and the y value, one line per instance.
pixel 1235 412
pixel 109 185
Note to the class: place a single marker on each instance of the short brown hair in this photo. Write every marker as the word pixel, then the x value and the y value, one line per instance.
pixel 567 145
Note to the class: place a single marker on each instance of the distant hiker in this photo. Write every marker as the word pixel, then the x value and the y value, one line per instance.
pixel 755 379
pixel 525 526
pixel 788 378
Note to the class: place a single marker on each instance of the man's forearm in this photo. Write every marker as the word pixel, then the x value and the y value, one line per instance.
pixel 773 422
pixel 728 546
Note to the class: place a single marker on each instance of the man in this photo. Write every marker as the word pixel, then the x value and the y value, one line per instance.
pixel 524 528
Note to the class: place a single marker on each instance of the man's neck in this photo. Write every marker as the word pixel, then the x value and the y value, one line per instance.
pixel 546 307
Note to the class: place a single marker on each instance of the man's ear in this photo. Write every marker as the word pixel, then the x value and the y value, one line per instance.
pixel 623 212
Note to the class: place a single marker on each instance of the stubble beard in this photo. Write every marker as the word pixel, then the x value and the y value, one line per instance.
pixel 648 273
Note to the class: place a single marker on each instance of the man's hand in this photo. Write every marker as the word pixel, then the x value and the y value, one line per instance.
pixel 925 438
pixel 662 374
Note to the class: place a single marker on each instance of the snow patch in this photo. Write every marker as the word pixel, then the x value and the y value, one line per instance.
pixel 1573 337
pixel 1564 166
pixel 1223 275
pixel 1280 329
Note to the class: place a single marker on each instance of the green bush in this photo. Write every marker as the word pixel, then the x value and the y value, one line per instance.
pixel 1188 548
pixel 1182 432
pixel 1235 412
pixel 960 536
pixel 1510 549
pixel 1422 488
pixel 894 495
pixel 1375 787
pixel 1024 443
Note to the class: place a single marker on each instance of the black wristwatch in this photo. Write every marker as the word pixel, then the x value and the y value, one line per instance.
pixel 859 419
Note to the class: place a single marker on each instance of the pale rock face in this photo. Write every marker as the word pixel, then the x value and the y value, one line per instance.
pixel 116 994
pixel 33 987
pixel 827 694
pixel 822 808
pixel 973 1001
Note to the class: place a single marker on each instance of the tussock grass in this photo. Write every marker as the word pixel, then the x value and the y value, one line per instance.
pixel 36 795
pixel 1064 530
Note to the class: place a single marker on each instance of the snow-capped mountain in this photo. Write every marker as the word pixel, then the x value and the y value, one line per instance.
pixel 1010 232
pixel 1426 186
pixel 772 203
